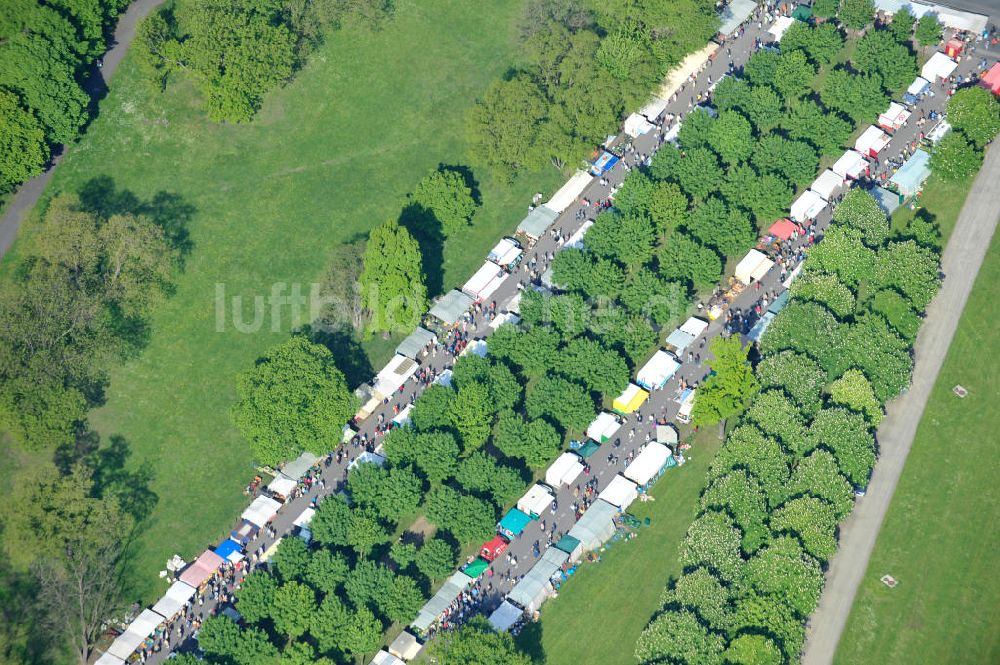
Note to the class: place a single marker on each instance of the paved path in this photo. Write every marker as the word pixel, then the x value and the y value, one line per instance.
pixel 960 263
pixel 29 193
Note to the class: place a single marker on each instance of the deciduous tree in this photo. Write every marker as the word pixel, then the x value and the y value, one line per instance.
pixel 848 436
pixel 23 151
pixel 954 158
pixel 436 559
pixel 858 96
pixel 684 258
pixel 503 127
pixel 812 521
pixel 445 193
pixel 677 636
pixel 799 376
pixel 729 390
pixel 564 401
pixel 536 441
pixel 928 30
pixel 392 281
pixel 713 541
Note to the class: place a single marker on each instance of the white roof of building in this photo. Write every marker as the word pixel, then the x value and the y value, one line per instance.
pixel 603 427
pixel 174 600
pixel 564 470
pixel 871 140
pixel 536 501
pixel 620 492
pixel 570 192
pixel 505 252
pixel 827 184
pixel 657 370
pixel 261 511
pixel 807 206
pixel 938 67
pixel 850 165
pixel 781 24
pixel 753 266
pixel 647 463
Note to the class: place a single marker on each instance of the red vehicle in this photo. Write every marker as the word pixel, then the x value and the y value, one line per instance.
pixel 494 548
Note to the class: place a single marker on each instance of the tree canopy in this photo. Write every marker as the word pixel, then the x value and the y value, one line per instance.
pixel 392 282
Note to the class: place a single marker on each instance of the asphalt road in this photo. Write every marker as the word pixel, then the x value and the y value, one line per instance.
pixel 960 263
pixel 27 195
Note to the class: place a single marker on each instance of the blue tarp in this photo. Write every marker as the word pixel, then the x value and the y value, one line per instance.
pixel 514 522
pixel 603 164
pixel 910 178
pixel 227 547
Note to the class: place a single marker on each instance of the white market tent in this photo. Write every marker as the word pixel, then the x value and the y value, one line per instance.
pixel 667 435
pixel 368 458
pixel 677 76
pixel 405 646
pixel 653 109
pixel 946 16
pixel 539 219
pixel 402 418
pixel 136 633
pixel 851 164
pixel 451 306
pixel 620 492
pixel 416 342
pixel 827 184
pixel 504 317
pixel 781 24
pixel 636 125
pixel 505 616
pixel 305 517
pixel 894 117
pixel 683 337
pixel 752 266
pixel 261 511
pixel 570 192
pixel 595 526
pixel 385 658
pixel 505 252
pixel 938 131
pixel 657 370
pixel 603 427
pixel 939 66
pixel 174 600
pixel 394 375
pixel 735 14
pixel 872 141
pixel 281 485
pixel 647 463
pixel 564 470
pixel 807 206
pixel 536 586
pixel 575 241
pixel 487 279
pixel 918 86
pixel 536 501
pixel 109 659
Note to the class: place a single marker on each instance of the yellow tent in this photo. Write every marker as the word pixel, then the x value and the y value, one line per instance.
pixel 630 400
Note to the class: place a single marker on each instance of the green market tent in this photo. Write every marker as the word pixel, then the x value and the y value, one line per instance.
pixel 451 306
pixel 537 221
pixel 476 568
pixel 415 343
pixel 570 546
pixel 445 596
pixel 802 13
pixel 588 449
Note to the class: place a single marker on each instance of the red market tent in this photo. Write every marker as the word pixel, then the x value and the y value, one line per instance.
pixel 783 229
pixel 953 47
pixel 991 79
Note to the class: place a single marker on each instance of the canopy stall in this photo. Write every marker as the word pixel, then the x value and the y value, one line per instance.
pixel 894 117
pixel 783 229
pixel 383 657
pixel 536 501
pixel 603 427
pixel 505 253
pixel 538 220
pixel 752 267
pixel 367 458
pixel 177 596
pixel 667 435
pixel 476 346
pixel 451 306
pixel 991 79
pixel 636 125
pixel 851 164
pixel 109 659
pixel 402 419
pixel 570 546
pixel 604 163
pixel 281 487
pixel 575 241
pixel 681 338
pixel 631 399
pixel 657 370
pixel 405 646
pixel 620 492
pixel 872 141
pixel 485 282
pixel 647 464
pixel 946 16
pixel 781 24
pixel 568 194
pixel 514 523
pixel 136 633
pixel 564 470
pixel 415 342
pixel 807 206
pixel 596 526
pixel 827 184
pixel 392 377
pixel 938 131
pixel 909 179
pixel 536 586
pixel 916 90
pixel 493 548
pixel 299 466
pixel 653 109
pixel 734 15
pixel 229 550
pixel 261 511
pixel 476 567
pixel 954 47
pixel 504 617
pixel 445 596
pixel 938 67
pixel 305 517
pixel 886 199
pixel 504 317
pixel 202 569
pixel 677 76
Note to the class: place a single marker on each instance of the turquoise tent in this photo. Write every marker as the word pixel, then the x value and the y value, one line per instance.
pixel 514 522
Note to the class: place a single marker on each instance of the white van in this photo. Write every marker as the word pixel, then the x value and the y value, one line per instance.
pixel 687 404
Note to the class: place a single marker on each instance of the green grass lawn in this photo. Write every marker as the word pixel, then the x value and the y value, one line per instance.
pixel 940 535
pixel 328 157
pixel 602 609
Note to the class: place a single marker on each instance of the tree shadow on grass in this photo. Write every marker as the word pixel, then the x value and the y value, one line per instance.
pixel 468 177
pixel 530 641
pixel 425 228
pixel 347 351
pixel 167 210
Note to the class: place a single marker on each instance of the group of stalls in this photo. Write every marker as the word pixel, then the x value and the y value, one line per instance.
pixel 815 200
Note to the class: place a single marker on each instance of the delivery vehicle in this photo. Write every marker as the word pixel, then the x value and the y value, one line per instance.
pixel 687 405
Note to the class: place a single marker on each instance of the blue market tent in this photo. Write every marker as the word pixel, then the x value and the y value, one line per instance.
pixel 910 178
pixel 603 164
pixel 514 522
pixel 227 547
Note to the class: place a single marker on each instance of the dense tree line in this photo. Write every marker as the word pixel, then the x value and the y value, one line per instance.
pixel 237 51
pixel 583 65
pixel 783 480
pixel 46 50
pixel 974 115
